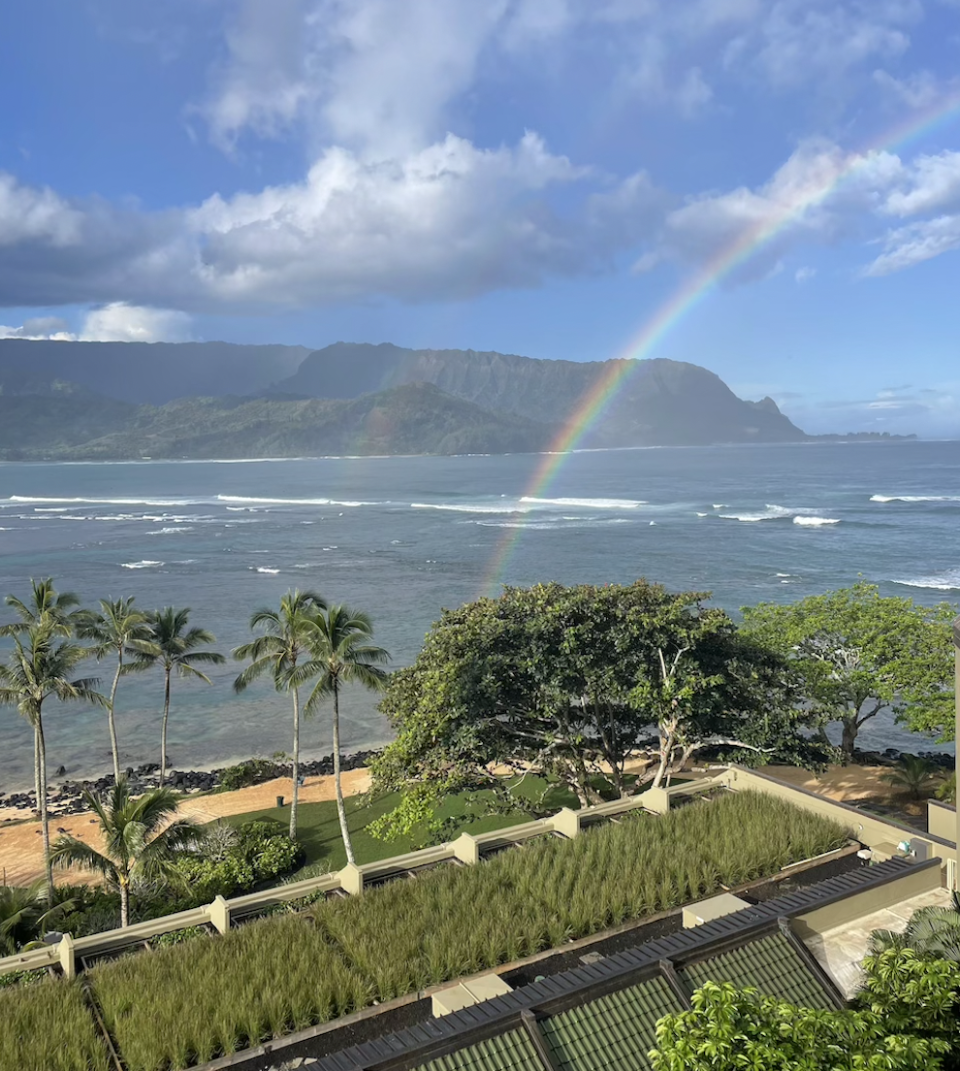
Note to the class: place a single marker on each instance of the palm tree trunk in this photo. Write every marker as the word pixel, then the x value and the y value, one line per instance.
pixel 112 724
pixel 295 771
pixel 124 905
pixel 341 812
pixel 42 797
pixel 163 731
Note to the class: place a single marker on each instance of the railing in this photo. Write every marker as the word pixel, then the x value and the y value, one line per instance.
pixel 467 849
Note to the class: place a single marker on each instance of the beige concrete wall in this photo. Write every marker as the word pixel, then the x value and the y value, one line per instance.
pixel 914 882
pixel 942 820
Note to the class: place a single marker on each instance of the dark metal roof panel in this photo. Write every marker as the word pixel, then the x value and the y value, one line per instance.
pixel 770 965
pixel 613 1033
pixel 512 1051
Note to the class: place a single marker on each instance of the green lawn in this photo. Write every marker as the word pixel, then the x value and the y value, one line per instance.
pixel 319 831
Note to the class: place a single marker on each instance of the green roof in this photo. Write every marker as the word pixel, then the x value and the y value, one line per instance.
pixel 613 1033
pixel 769 964
pixel 512 1051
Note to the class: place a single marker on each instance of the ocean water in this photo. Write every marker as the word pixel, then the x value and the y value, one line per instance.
pixel 402 537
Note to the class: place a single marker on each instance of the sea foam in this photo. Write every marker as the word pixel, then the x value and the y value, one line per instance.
pixel 915 498
pixel 816 522
pixel 948 581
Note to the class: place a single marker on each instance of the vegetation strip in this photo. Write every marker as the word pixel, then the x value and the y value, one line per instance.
pixel 270 978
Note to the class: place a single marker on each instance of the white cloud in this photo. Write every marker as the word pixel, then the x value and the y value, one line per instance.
pixel 927 184
pixel 804 275
pixel 30 214
pixel 41 327
pixel 119 322
pixel 906 247
pixel 921 89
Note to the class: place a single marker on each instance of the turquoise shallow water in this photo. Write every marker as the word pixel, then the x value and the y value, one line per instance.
pixel 403 537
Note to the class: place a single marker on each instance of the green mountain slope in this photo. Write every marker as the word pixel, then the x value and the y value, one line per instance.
pixel 412 419
pixel 658 402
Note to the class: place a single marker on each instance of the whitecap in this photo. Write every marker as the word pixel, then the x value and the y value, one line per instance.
pixel 265 569
pixel 292 501
pixel 170 531
pixel 703 514
pixel 915 498
pixel 146 564
pixel 948 581
pixel 586 503
pixel 815 522
pixel 28 500
pixel 466 508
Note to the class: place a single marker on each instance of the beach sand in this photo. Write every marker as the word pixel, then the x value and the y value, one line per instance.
pixel 21 852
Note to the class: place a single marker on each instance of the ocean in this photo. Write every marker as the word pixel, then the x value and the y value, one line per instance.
pixel 402 537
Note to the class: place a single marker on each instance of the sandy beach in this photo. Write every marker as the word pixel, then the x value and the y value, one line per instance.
pixel 21 853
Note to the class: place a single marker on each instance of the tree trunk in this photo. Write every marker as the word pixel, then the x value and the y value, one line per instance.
pixel 163 731
pixel 111 723
pixel 295 771
pixel 42 799
pixel 124 905
pixel 341 812
pixel 848 740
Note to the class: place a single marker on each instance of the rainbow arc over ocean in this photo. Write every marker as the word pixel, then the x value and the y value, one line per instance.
pixel 695 290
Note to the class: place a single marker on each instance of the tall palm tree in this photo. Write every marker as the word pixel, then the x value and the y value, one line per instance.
pixel 140 841
pixel 118 629
pixel 173 647
pixel 44 604
pixel 341 645
pixel 39 667
pixel 284 651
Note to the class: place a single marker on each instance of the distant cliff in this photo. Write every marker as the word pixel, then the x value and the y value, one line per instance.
pixel 658 402
pixel 128 400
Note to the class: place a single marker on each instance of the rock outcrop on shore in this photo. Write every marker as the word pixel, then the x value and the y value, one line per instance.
pixel 66 798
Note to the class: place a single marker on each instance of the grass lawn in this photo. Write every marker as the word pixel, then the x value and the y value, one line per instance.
pixel 319 830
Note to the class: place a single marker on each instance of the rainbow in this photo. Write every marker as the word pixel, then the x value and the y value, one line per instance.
pixel 690 294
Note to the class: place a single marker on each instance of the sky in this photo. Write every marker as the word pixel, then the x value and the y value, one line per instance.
pixel 769 188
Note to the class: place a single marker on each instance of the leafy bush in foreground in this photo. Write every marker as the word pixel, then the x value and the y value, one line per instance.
pixel 47 1027
pixel 188 1003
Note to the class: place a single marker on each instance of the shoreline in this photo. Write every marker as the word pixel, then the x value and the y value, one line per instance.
pixel 65 798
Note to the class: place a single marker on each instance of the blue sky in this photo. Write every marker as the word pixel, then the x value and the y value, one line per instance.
pixel 531 176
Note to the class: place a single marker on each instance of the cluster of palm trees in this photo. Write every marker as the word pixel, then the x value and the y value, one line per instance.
pixel 305 643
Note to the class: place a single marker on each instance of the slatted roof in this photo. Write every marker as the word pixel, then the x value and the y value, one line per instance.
pixel 677 963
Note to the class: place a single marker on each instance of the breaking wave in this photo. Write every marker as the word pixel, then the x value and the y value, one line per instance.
pixel 949 581
pixel 915 498
pixel 241 499
pixel 815 522
pixel 141 565
pixel 586 503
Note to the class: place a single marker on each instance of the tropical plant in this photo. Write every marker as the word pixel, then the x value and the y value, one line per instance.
pixel 118 629
pixel 48 1027
pixel 285 653
pixel 947 789
pixel 933 931
pixel 44 604
pixel 340 645
pixel 913 774
pixel 856 653
pixel 40 667
pixel 141 842
pixel 173 647
pixel 25 912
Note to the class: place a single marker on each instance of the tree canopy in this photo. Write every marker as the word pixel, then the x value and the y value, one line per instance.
pixel 856 652
pixel 569 682
pixel 904 1018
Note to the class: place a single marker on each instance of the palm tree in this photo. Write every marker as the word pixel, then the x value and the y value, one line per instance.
pixel 284 651
pixel 173 647
pixel 44 603
pixel 341 646
pixel 24 914
pixel 140 843
pixel 913 774
pixel 933 931
pixel 39 667
pixel 119 629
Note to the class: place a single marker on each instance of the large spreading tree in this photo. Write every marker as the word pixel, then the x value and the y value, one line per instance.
pixel 856 652
pixel 569 682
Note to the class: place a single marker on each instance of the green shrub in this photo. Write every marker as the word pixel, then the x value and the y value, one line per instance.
pixel 262 852
pixel 248 772
pixel 48 1027
pixel 284 973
